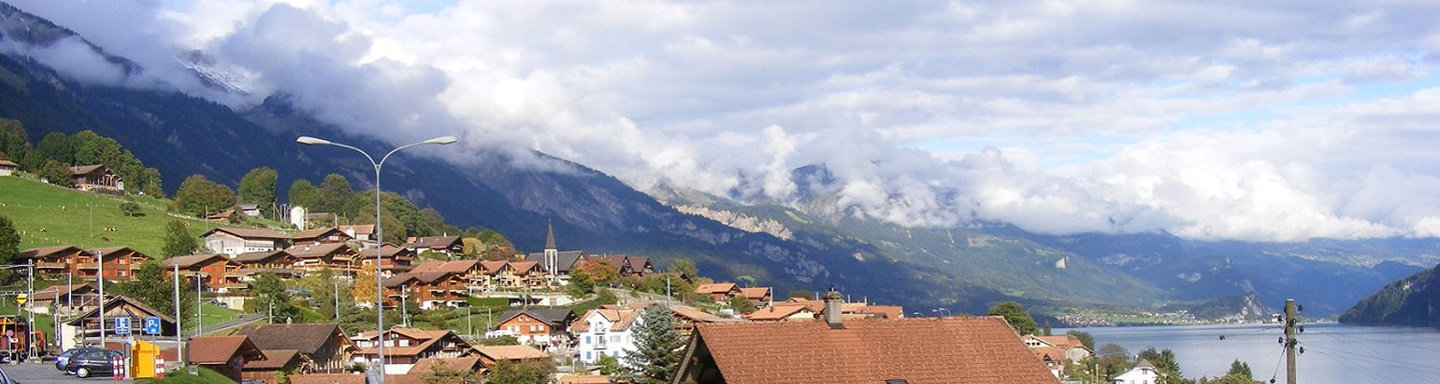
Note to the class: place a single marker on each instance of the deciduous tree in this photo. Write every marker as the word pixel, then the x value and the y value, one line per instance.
pixel 302 193
pixel 1015 314
pixel 268 296
pixel 9 243
pixel 200 197
pixel 525 372
pixel 152 287
pixel 258 187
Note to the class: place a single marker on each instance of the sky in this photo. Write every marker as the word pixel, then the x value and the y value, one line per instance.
pixel 1211 120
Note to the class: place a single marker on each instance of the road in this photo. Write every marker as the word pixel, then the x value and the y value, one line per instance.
pixel 45 373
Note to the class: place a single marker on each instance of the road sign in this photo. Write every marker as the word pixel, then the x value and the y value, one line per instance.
pixel 20 298
pixel 152 325
pixel 122 325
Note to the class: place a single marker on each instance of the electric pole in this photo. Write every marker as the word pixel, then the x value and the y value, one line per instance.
pixel 1291 323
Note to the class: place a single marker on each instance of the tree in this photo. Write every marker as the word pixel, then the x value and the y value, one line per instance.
pixel 600 272
pixel 1165 364
pixel 502 340
pixel 1085 338
pixel 179 240
pixel 1239 368
pixel 333 196
pixel 741 304
pixel 363 291
pixel 58 147
pixel 152 287
pixel 9 246
pixel 130 208
pixel 268 296
pixel 524 372
pixel 657 346
pixel 200 197
pixel 1015 314
pixel 441 373
pixel 55 173
pixel 302 193
pixel 685 267
pixel 258 187
pixel 609 365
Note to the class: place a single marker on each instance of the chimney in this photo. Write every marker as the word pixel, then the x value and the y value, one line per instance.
pixel 833 300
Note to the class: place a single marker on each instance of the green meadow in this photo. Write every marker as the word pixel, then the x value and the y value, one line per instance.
pixel 47 215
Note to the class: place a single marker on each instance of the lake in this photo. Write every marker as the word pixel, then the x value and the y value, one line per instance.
pixel 1334 353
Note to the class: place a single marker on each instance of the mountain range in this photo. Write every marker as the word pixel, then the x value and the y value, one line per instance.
pixel 808 244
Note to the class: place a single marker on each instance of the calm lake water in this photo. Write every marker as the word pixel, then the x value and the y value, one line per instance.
pixel 1334 353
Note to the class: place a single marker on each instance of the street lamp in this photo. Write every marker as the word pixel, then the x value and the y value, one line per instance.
pixel 941 310
pixel 379 232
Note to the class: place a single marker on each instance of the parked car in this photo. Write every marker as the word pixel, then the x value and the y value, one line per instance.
pixel 64 358
pixel 87 362
pixel 5 378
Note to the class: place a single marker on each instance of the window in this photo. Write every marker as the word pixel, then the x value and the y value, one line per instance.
pixel 587 341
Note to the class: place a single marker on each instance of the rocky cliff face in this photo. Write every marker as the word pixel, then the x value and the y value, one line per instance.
pixel 740 221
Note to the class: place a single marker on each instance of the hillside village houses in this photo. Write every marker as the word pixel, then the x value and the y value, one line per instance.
pixel 258 352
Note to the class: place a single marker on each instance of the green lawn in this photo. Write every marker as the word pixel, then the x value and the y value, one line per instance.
pixel 72 217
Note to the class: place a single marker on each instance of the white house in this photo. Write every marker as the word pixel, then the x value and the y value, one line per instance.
pixel 7 167
pixel 1142 373
pixel 606 331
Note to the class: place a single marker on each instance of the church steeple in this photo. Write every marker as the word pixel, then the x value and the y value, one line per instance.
pixel 550 237
pixel 552 254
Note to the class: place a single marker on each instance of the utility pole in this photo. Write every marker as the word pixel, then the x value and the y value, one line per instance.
pixel 179 346
pixel 1290 342
pixel 404 295
pixel 336 284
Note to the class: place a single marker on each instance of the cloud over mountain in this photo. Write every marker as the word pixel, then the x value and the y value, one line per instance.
pixel 1210 120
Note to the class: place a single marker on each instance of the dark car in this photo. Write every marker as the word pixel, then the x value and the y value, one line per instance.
pixel 64 358
pixel 5 378
pixel 87 362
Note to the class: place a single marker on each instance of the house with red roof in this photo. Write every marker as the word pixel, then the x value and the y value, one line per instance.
pixel 226 355
pixel 931 350
pixel 406 346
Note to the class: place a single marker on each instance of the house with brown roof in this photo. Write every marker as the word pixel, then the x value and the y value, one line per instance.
pixel 1057 351
pixel 393 260
pixel 67 299
pixel 468 364
pixel 217 272
pixel 119 263
pixel 718 292
pixel 97 176
pixel 323 235
pixel 55 261
pixel 445 245
pixel 931 350
pixel 84 327
pixel 760 296
pixel 8 167
pixel 640 266
pixel 491 354
pixel 405 346
pixel 226 355
pixel 234 241
pixel 547 328
pixel 314 257
pixel 524 274
pixel 280 263
pixel 431 290
pixel 320 347
pixel 276 361
pixel 784 312
pixel 364 233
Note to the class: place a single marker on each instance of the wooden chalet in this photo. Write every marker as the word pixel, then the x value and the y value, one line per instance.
pixel 120 263
pixel 405 346
pixel 84 327
pixel 319 347
pixel 314 257
pixel 56 261
pixel 215 272
pixel 324 235
pixel 226 355
pixel 446 245
pixel 97 176
pixel 281 263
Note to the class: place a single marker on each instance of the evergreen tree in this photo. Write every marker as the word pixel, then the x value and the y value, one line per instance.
pixel 657 347
pixel 178 240
pixel 1165 364
pixel 1015 314
pixel 258 187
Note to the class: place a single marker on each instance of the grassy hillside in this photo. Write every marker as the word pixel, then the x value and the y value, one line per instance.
pixel 71 217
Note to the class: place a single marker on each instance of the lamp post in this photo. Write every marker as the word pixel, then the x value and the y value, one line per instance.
pixel 379 232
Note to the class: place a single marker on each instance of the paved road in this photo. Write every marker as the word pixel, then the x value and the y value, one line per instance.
pixel 45 373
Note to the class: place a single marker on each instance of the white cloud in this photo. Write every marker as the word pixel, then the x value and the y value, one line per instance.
pixel 1254 121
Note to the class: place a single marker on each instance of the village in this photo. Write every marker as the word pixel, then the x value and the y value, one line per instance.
pixel 726 332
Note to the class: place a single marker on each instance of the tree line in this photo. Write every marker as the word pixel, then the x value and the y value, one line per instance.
pixel 56 152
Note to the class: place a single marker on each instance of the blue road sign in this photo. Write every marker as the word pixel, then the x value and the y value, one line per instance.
pixel 152 325
pixel 122 325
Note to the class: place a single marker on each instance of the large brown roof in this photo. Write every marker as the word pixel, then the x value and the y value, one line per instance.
pixel 188 261
pixel 250 233
pixel 274 359
pixel 715 288
pixel 316 250
pixel 512 352
pixel 306 338
pixel 949 350
pixel 219 349
pixel 45 251
pixel 456 266
pixel 329 378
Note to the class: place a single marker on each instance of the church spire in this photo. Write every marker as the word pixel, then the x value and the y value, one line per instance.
pixel 550 236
